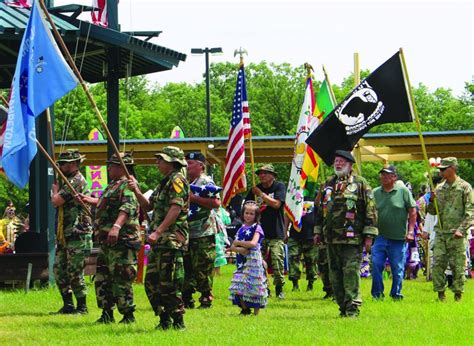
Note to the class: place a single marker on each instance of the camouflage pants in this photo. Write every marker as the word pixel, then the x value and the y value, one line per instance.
pixel 199 268
pixel 448 250
pixel 69 266
pixel 323 267
pixel 309 251
pixel 277 253
pixel 344 267
pixel 115 274
pixel 164 281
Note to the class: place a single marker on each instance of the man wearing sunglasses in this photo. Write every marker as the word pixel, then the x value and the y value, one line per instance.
pixel 456 216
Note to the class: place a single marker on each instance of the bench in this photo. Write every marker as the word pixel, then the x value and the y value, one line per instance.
pixel 14 267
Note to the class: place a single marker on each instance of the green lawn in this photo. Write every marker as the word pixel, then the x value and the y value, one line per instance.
pixel 301 319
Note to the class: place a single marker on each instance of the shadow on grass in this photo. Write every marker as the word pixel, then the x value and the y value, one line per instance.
pixel 24 314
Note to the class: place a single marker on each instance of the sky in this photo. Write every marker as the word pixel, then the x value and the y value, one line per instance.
pixel 436 36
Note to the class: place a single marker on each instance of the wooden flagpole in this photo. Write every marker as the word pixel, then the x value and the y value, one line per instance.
pixel 358 157
pixel 83 84
pixel 4 100
pixel 416 119
pixel 58 171
pixel 51 138
pixel 331 92
pixel 241 53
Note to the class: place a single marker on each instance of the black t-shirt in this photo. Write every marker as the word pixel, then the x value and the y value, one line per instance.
pixel 307 225
pixel 271 219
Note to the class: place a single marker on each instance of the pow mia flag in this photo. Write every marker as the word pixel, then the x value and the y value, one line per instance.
pixel 380 98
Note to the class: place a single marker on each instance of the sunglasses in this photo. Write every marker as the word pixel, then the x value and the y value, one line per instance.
pixel 443 169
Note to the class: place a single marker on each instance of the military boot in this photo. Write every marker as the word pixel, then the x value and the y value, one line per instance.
pixel 178 322
pixel 188 300
pixel 81 306
pixel 457 296
pixel 206 301
pixel 106 317
pixel 310 285
pixel 68 305
pixel 279 292
pixel 128 318
pixel 296 286
pixel 165 321
pixel 441 296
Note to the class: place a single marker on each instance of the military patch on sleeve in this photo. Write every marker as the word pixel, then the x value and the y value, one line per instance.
pixel 178 185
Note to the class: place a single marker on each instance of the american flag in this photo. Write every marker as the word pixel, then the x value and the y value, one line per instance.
pixel 19 3
pixel 234 174
pixel 100 17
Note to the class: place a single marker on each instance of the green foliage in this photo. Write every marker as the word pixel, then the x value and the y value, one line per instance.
pixel 303 318
pixel 275 96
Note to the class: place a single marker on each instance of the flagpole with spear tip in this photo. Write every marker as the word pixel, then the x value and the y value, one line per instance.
pixel 241 53
pixel 83 84
pixel 416 119
pixel 331 92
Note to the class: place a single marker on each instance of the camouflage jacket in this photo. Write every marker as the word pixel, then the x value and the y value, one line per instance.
pixel 173 189
pixel 75 218
pixel 456 206
pixel 202 224
pixel 346 211
pixel 118 197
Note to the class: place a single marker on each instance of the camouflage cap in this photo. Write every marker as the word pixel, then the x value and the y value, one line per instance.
pixel 448 162
pixel 172 154
pixel 267 168
pixel 70 155
pixel 126 157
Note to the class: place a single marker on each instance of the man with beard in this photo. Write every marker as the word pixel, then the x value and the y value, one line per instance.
pixel 346 222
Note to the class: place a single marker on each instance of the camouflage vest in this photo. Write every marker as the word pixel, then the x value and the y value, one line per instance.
pixel 173 189
pixel 348 210
pixel 118 197
pixel 75 219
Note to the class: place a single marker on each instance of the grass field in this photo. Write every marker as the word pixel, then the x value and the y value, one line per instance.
pixel 303 318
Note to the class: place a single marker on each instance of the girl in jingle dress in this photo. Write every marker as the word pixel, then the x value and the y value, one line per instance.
pixel 248 288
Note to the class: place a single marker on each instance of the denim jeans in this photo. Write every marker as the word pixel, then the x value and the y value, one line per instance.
pixel 395 251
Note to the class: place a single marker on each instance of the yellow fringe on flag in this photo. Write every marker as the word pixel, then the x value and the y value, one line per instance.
pixel 60 232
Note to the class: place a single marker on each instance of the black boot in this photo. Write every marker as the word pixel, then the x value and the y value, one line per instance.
pixel 165 321
pixel 178 322
pixel 296 286
pixel 310 285
pixel 206 300
pixel 68 305
pixel 128 318
pixel 279 292
pixel 81 306
pixel 188 300
pixel 106 317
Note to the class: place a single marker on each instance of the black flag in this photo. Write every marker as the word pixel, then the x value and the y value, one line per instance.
pixel 380 98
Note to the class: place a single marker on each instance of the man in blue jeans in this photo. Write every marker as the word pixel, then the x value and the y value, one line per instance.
pixel 394 204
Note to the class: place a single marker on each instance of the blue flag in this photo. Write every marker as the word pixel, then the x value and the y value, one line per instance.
pixel 41 77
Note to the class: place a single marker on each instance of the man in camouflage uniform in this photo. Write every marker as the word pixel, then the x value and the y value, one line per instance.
pixel 456 216
pixel 169 238
pixel 201 254
pixel 117 230
pixel 346 221
pixel 300 244
pixel 73 234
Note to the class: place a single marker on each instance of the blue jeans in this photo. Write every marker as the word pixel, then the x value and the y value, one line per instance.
pixel 395 251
